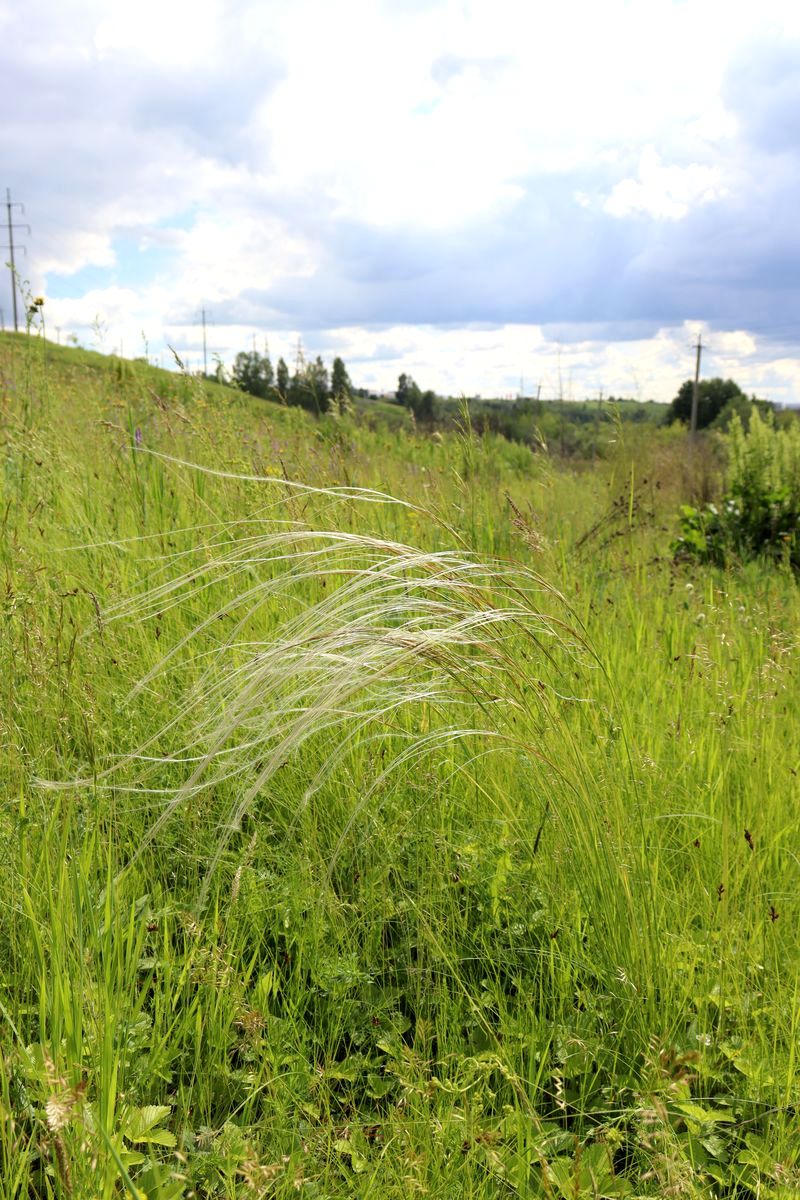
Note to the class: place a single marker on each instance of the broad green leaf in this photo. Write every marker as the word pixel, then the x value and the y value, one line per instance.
pixel 158 1137
pixel 701 1115
pixel 379 1086
pixel 140 1125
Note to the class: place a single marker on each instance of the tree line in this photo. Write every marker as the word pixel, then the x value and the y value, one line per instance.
pixel 571 425
pixel 313 387
pixel 310 385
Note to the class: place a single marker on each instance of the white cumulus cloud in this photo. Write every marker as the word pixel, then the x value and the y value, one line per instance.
pixel 666 192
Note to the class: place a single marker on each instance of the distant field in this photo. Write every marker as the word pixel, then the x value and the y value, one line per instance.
pixel 449 843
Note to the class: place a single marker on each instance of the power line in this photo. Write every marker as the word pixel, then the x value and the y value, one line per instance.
pixel 10 248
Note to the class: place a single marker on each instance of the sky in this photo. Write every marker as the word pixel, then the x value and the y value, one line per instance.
pixel 489 195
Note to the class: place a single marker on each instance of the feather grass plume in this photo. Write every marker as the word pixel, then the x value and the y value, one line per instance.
pixel 344 636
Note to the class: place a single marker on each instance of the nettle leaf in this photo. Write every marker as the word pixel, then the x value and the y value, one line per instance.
pixel 716 1146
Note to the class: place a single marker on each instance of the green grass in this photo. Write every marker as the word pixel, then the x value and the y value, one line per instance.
pixel 437 842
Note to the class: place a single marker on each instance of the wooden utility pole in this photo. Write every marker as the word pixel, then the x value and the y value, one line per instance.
pixel 205 354
pixel 597 423
pixel 12 266
pixel 696 387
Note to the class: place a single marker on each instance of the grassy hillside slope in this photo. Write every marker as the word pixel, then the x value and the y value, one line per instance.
pixel 383 815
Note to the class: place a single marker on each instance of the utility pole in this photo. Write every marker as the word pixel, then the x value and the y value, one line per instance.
pixel 11 228
pixel 696 387
pixel 597 422
pixel 205 355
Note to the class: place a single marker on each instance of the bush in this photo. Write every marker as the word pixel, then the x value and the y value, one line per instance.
pixel 760 513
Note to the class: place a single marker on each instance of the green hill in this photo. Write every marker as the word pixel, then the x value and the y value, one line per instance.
pixel 384 813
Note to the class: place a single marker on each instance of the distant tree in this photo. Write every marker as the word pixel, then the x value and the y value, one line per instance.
pixel 309 387
pixel 318 386
pixel 282 380
pixel 295 392
pixel 411 396
pixel 738 406
pixel 268 373
pixel 340 380
pixel 242 374
pixel 403 387
pixel 341 388
pixel 253 373
pixel 713 395
pixel 425 406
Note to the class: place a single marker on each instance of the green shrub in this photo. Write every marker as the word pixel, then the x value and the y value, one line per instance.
pixel 760 512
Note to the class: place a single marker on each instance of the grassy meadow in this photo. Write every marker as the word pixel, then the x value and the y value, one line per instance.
pixel 383 814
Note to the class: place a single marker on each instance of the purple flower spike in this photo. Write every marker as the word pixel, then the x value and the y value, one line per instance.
pixel 137 437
